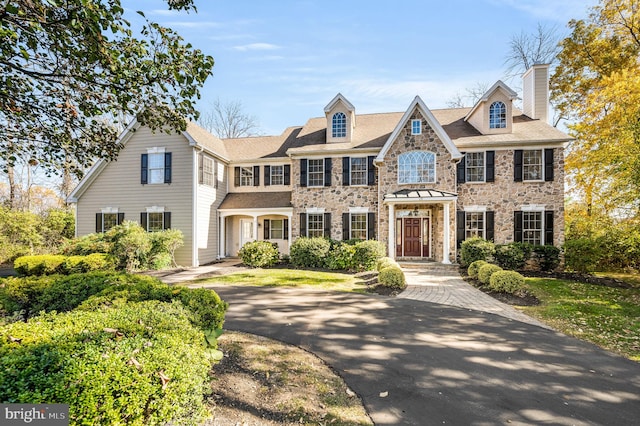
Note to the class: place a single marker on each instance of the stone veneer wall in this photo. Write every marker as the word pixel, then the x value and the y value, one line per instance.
pixel 335 199
pixel 504 196
pixel 445 181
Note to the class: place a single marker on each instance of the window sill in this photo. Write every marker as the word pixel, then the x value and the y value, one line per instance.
pixel 533 181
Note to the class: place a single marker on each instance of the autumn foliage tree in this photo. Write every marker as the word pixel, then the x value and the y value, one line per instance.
pixel 69 68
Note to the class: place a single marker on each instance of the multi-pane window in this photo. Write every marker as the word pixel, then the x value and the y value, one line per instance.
pixel 474 225
pixel 358 226
pixel 276 229
pixel 358 171
pixel 315 172
pixel 246 176
pixel 109 220
pixel 416 127
pixel 497 115
pixel 475 166
pixel 417 167
pixel 532 165
pixel 315 225
pixel 277 175
pixel 532 228
pixel 156 167
pixel 208 174
pixel 155 221
pixel 339 125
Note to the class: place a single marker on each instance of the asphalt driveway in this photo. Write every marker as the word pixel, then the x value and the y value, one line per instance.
pixel 419 363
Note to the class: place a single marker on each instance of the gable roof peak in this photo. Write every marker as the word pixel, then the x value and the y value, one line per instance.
pixel 498 85
pixel 339 98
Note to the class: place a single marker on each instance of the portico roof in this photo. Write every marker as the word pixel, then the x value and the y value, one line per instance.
pixel 415 195
pixel 256 200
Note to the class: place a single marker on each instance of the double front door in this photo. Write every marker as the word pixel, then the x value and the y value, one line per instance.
pixel 415 237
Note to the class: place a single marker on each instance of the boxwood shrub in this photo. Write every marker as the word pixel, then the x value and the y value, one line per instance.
pixel 341 256
pixel 507 282
pixel 259 254
pixel 512 255
pixel 385 262
pixel 485 272
pixel 309 252
pixel 393 277
pixel 472 270
pixel 476 249
pixel 367 254
pixel 42 264
pixel 133 363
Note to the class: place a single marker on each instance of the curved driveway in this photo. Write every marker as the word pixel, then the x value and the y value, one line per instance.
pixel 420 363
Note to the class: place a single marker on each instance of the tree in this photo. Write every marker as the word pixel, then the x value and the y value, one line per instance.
pixel 597 85
pixel 228 120
pixel 472 95
pixel 528 49
pixel 69 68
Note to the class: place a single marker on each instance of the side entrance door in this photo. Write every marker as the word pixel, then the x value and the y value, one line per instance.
pixel 246 231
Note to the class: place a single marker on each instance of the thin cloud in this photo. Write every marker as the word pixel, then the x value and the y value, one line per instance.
pixel 553 10
pixel 256 46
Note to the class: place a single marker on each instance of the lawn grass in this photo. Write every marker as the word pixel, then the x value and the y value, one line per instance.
pixel 289 278
pixel 608 317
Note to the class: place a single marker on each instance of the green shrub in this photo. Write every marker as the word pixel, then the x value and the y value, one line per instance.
pixel 309 252
pixel 43 264
pixel 392 277
pixel 73 264
pixel 96 262
pixel 367 254
pixel 130 245
pixel 472 271
pixel 485 272
pixel 512 255
pixel 87 244
pixel 341 256
pixel 135 363
pixel 507 282
pixel 163 247
pixel 259 254
pixel 385 262
pixel 476 249
pixel 547 257
pixel 582 255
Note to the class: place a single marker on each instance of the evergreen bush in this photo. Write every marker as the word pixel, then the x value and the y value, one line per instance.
pixel 341 256
pixel 392 277
pixel 259 254
pixel 476 249
pixel 472 271
pixel 512 255
pixel 507 282
pixel 43 264
pixel 485 272
pixel 547 257
pixel 309 252
pixel 367 254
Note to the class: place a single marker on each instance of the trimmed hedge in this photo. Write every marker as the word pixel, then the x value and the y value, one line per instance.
pixel 507 282
pixel 472 271
pixel 485 272
pixel 476 249
pixel 341 256
pixel 367 254
pixel 48 264
pixel 547 257
pixel 512 255
pixel 392 277
pixel 259 254
pixel 385 262
pixel 134 363
pixel 309 252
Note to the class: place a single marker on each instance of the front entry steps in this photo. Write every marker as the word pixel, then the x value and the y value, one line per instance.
pixel 427 265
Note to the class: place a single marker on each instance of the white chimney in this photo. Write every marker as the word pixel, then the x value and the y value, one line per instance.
pixel 535 92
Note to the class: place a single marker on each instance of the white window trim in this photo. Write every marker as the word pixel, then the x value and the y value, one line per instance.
pixel 358 209
pixel 484 169
pixel 155 209
pixel 271 229
pixel 366 222
pixel 435 169
pixel 315 210
pixel 213 171
pixel 250 184
pixel 109 210
pixel 309 173
pixel 533 208
pixel 542 166
pixel 271 174
pixel 475 209
pixel 366 171
pixel 481 209
pixel 156 150
pixel 536 209
pixel 416 120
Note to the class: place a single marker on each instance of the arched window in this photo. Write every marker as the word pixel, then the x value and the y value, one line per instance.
pixel 417 167
pixel 497 115
pixel 339 125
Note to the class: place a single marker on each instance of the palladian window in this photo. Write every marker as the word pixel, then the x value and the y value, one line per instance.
pixel 339 125
pixel 417 167
pixel 497 115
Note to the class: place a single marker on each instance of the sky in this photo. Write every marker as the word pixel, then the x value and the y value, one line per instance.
pixel 285 60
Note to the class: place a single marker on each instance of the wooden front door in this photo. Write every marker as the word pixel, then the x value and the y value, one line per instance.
pixel 412 232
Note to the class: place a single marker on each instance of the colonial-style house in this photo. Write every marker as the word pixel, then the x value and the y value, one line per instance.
pixel 421 181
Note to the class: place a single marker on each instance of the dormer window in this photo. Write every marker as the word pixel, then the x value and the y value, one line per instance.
pixel 339 125
pixel 497 115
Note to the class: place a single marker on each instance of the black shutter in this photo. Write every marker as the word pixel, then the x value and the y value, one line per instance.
pixel 143 220
pixel 548 164
pixel 345 226
pixel 267 175
pixel 517 226
pixel 490 167
pixel 167 220
pixel 265 225
pixel 303 224
pixel 460 168
pixel 371 226
pixel 201 169
pixel 371 170
pixel 98 222
pixel 548 227
pixel 327 225
pixel 167 167
pixel 287 174
pixel 459 227
pixel 285 229
pixel 303 172
pixel 144 173
pixel 120 218
pixel 256 175
pixel 517 165
pixel 236 176
pixel 327 172
pixel 346 169
pixel 489 226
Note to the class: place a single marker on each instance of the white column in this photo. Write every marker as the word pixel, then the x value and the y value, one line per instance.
pixel 447 232
pixel 290 230
pixel 392 231
pixel 222 246
pixel 255 228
